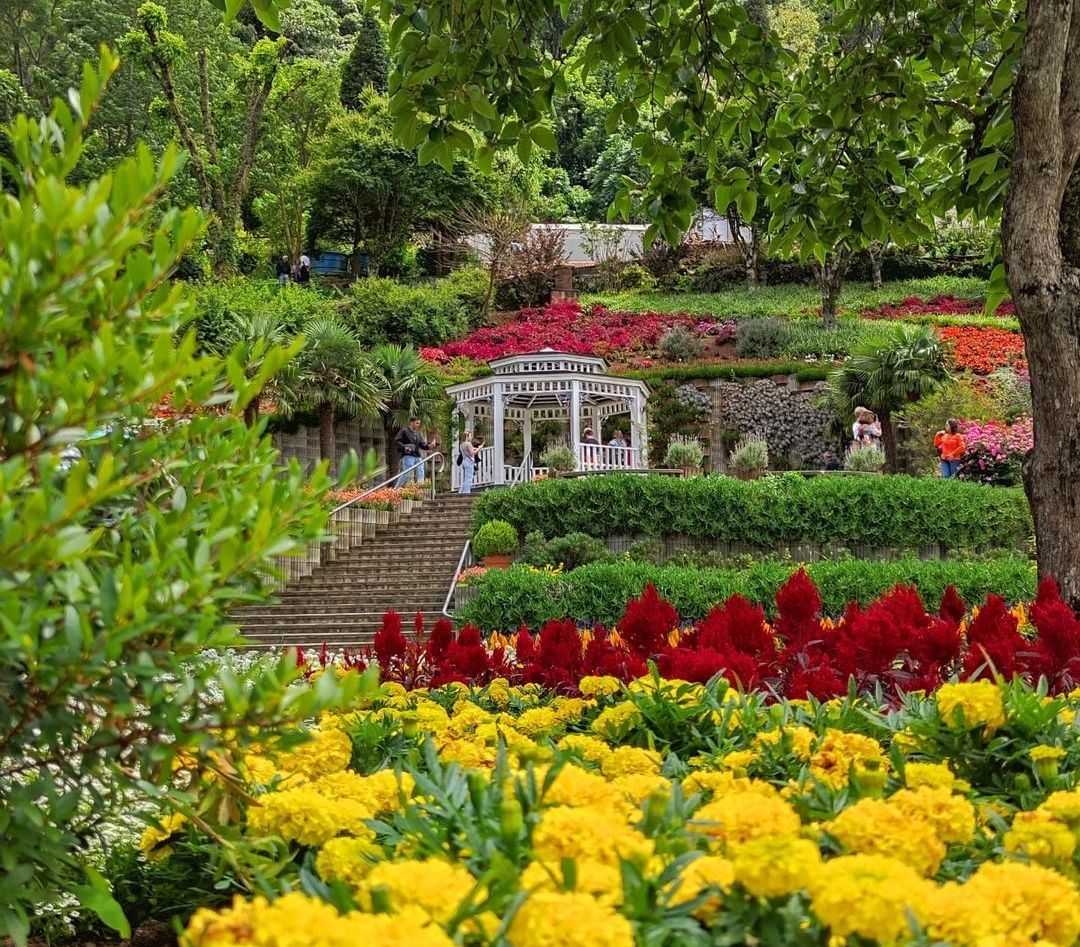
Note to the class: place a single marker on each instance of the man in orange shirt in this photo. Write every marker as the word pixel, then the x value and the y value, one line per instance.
pixel 950 445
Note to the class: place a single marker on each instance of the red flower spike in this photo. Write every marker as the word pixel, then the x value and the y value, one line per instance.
pixel 647 622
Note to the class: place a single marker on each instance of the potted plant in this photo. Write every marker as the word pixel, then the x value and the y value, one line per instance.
pixel 685 453
pixel 559 459
pixel 865 458
pixel 495 542
pixel 750 458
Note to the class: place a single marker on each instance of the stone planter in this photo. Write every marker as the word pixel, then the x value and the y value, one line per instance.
pixel 498 562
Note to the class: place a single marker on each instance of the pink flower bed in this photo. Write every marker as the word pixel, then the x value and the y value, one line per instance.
pixel 913 307
pixel 995 451
pixel 567 327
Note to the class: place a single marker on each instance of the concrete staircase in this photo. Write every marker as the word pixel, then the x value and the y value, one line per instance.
pixel 407 567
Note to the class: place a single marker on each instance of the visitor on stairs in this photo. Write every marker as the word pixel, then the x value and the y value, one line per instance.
pixel 466 459
pixel 410 445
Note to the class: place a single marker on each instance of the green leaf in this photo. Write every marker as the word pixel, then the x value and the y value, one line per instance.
pixel 97 898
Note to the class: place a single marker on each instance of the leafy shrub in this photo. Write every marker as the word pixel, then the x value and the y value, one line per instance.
pixel 680 344
pixel 559 458
pixel 599 592
pixel 762 338
pixel 684 452
pixel 918 422
pixel 1011 393
pixel 751 453
pixel 570 552
pixel 865 458
pixel 694 399
pixel 893 511
pixel 495 538
pixel 382 310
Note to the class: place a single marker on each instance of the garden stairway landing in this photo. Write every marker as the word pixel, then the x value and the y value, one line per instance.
pixel 407 567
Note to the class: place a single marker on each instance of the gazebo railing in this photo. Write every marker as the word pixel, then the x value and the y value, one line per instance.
pixel 603 457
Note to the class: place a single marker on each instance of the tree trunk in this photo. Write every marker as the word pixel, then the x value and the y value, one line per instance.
pixel 393 462
pixel 874 251
pixel 1042 265
pixel 327 439
pixel 251 412
pixel 888 442
pixel 830 277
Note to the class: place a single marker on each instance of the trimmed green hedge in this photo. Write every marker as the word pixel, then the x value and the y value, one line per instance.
pixel 895 512
pixel 731 371
pixel 599 592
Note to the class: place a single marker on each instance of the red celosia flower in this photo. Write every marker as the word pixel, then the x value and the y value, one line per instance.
pixel 995 646
pixel 647 622
pixel 389 642
pixel 1057 650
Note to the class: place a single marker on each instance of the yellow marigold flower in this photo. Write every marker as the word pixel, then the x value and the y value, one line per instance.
pixel 637 787
pixel 569 709
pixel 876 827
pixel 306 816
pixel 1064 806
pixel 468 754
pixel 932 775
pixel 703 873
pixel 467 717
pixel 568 919
pixel 603 881
pixel 1006 903
pixel 626 760
pixel 538 721
pixel 585 747
pixel 498 692
pixel 585 832
pixel 327 751
pixel 592 686
pixel 378 792
pixel 831 762
pixel 1041 837
pixel 434 886
pixel 1046 759
pixel 738 761
pixel 906 741
pixel 867 895
pixel 347 859
pixel 775 866
pixel 737 817
pixel 155 838
pixel 615 721
pixel 720 784
pixel 574 786
pixel 431 717
pixel 952 817
pixel 979 702
pixel 801 739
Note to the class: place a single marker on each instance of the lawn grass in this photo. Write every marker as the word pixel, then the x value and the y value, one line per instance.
pixel 795 299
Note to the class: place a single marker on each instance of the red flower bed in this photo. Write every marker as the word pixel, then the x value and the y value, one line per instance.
pixel 567 327
pixel 914 306
pixel 895 644
pixel 982 350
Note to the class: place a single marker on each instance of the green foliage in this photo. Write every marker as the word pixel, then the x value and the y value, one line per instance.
pixel 495 538
pixel 896 511
pixel 750 454
pixel 865 458
pixel 577 549
pixel 413 386
pixel 680 344
pixel 684 452
pixel 505 599
pixel 119 564
pixel 762 338
pixel 381 310
pixel 367 65
pixel 918 422
pixel 559 458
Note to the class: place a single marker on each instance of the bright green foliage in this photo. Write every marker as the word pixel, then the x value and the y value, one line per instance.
pixel 413 387
pixel 896 512
pixel 119 564
pixel 598 592
pixel 367 65
pixel 495 538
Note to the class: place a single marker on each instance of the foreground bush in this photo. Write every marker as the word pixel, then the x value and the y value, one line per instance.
pixel 895 512
pixel 598 592
pixel 661 813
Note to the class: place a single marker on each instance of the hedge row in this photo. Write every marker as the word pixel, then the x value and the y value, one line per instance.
pixel 731 371
pixel 504 599
pixel 897 512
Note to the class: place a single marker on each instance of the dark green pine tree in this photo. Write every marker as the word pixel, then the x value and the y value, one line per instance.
pixel 368 63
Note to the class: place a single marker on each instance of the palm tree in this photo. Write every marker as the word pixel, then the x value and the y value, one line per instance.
pixel 257 333
pixel 330 375
pixel 884 376
pixel 413 390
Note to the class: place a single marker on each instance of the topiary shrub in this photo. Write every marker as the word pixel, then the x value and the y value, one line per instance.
pixel 762 338
pixel 569 552
pixel 495 538
pixel 680 344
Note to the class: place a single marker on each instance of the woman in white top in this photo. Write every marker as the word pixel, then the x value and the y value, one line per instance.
pixel 468 452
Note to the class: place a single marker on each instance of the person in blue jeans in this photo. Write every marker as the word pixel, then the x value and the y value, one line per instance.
pixel 467 451
pixel 410 444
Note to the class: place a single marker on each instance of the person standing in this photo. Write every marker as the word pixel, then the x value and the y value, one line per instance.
pixel 950 446
pixel 284 270
pixel 303 270
pixel 467 453
pixel 410 445
pixel 866 426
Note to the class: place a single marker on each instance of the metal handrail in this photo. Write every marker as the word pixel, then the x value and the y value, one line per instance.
pixel 457 574
pixel 435 468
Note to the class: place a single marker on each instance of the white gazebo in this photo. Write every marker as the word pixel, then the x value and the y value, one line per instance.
pixel 550 386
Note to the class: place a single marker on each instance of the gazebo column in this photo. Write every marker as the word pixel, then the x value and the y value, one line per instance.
pixel 575 420
pixel 639 438
pixel 498 424
pixel 453 447
pixel 526 435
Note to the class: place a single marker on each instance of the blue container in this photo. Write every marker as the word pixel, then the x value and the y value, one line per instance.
pixel 330 264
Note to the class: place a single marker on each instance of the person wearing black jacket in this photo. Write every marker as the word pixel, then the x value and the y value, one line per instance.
pixel 410 444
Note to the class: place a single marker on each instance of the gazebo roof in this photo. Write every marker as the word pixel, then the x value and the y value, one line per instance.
pixel 548 360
